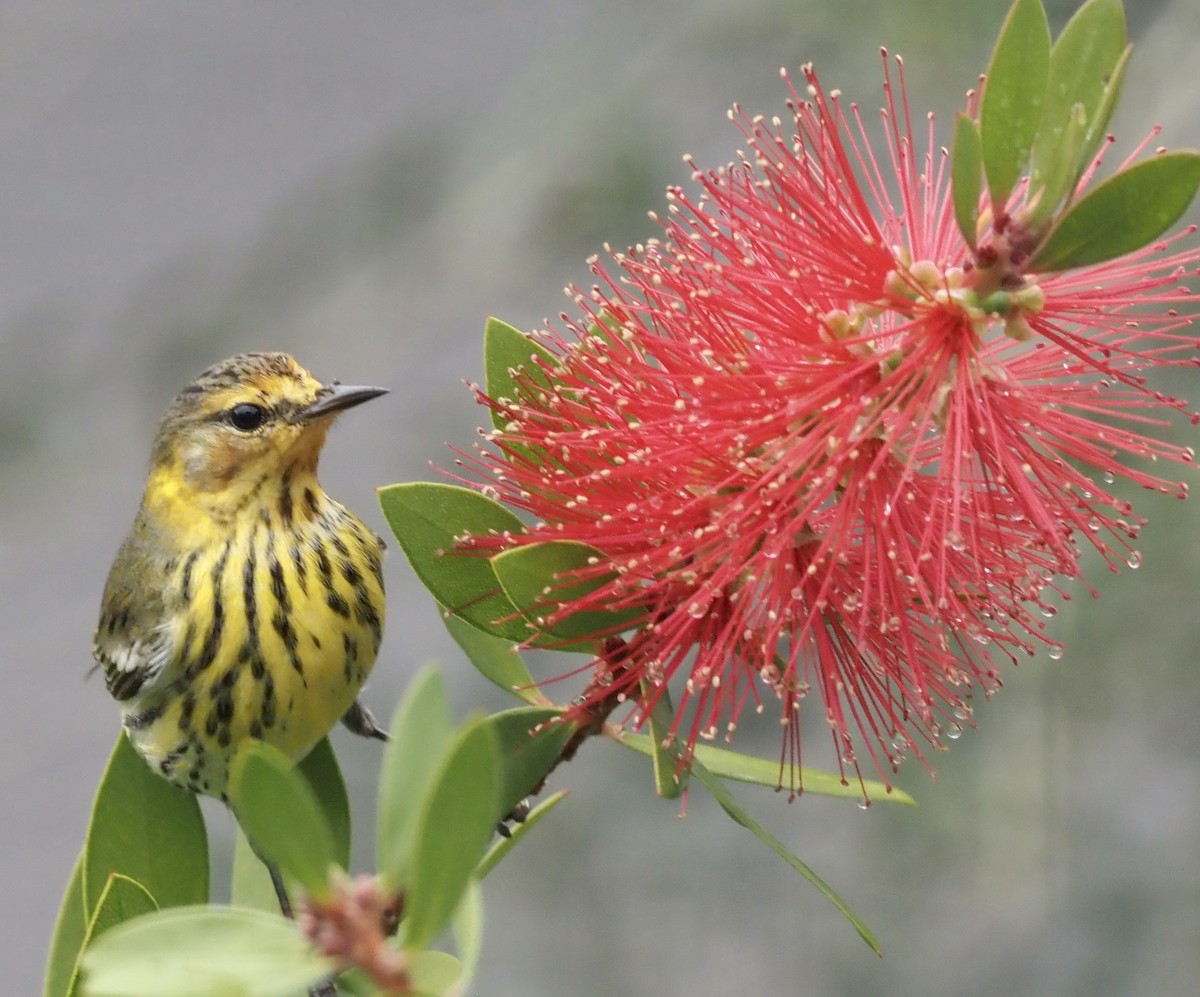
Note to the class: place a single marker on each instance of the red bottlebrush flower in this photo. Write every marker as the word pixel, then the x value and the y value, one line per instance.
pixel 823 445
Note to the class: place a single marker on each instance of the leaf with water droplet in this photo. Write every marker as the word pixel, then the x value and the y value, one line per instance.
pixel 1087 65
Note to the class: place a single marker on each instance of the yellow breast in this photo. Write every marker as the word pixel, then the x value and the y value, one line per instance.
pixel 273 631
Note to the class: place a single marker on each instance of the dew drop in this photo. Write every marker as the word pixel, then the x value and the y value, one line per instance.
pixel 863 803
pixel 1055 652
pixel 1135 559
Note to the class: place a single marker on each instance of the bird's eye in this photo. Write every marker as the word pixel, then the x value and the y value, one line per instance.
pixel 247 417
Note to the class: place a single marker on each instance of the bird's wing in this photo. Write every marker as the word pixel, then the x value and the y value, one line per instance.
pixel 132 642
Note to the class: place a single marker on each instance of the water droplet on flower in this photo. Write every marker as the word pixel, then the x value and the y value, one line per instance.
pixel 1109 477
pixel 954 732
pixel 1135 559
pixel 863 803
pixel 1055 652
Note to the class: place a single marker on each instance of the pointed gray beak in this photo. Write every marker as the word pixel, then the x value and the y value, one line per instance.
pixel 338 398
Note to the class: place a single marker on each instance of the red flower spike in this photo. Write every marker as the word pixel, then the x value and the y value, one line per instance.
pixel 829 452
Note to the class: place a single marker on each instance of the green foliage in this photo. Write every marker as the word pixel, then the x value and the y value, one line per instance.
pixel 505 844
pixel 454 824
pixel 144 828
pixel 1010 108
pixel 427 519
pixel 740 815
pixel 531 739
pixel 251 884
pixel 420 732
pixel 146 848
pixel 1086 68
pixel 538 577
pixel 496 659
pixel 768 772
pixel 202 951
pixel 509 354
pixel 1122 214
pixel 280 814
pixel 966 163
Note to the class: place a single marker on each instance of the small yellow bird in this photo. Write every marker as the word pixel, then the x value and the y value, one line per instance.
pixel 245 602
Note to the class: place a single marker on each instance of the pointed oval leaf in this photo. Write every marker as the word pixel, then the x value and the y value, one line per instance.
pixel 1085 60
pixel 280 814
pixel 1010 107
pixel 250 883
pixel 536 578
pixel 503 846
pixel 145 828
pixel 321 770
pixel 966 169
pixel 421 730
pixel 201 951
pixel 509 356
pixel 496 659
pixel 456 822
pixel 1124 213
pixel 530 740
pixel 740 815
pixel 1098 127
pixel 467 928
pixel 70 932
pixel 765 772
pixel 427 518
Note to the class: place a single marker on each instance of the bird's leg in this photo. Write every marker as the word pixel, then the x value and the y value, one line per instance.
pixel 359 720
pixel 327 988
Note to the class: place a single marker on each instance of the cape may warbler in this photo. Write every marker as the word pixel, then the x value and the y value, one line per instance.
pixel 245 602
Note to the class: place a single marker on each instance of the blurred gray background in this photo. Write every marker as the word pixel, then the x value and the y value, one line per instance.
pixel 362 184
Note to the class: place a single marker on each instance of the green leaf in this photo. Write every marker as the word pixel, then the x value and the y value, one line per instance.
pixel 457 820
pixel 280 814
pixel 670 779
pixel 467 927
pixel 1087 59
pixel 146 829
pixel 202 951
pixel 421 730
pixel 1126 212
pixel 527 757
pixel 966 164
pixel 70 934
pixel 533 579
pixel 765 772
pixel 507 351
pixel 1010 108
pixel 324 776
pixel 121 900
pixel 250 882
pixel 496 659
pixel 740 815
pixel 355 983
pixel 434 973
pixel 516 832
pixel 427 518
